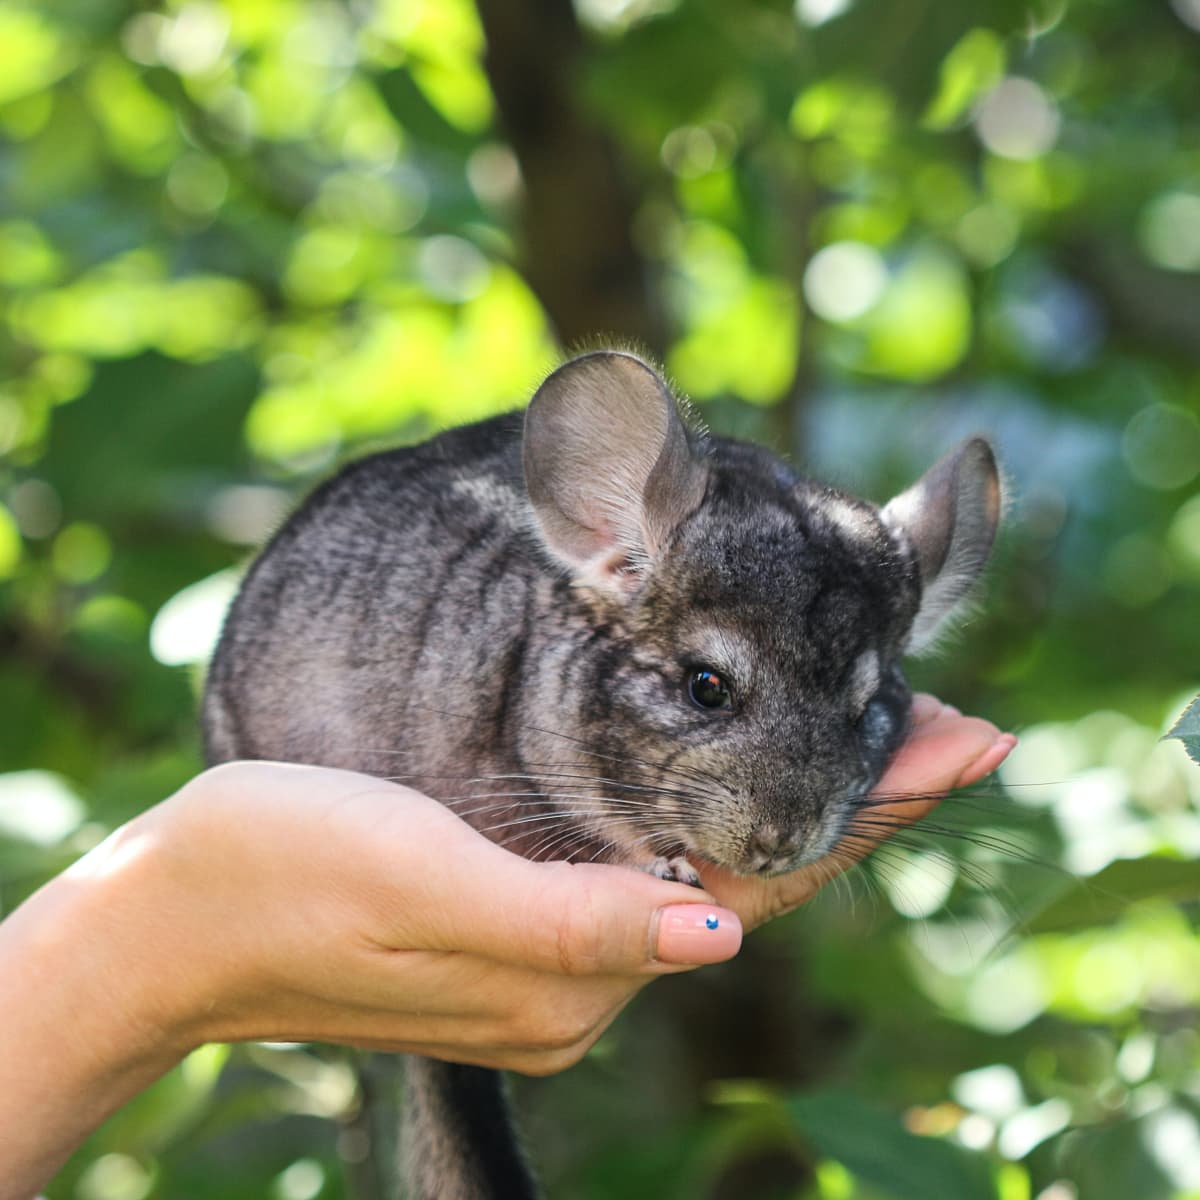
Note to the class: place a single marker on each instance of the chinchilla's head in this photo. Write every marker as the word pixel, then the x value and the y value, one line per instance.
pixel 751 677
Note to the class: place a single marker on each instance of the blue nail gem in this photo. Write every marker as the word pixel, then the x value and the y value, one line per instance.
pixel 711 921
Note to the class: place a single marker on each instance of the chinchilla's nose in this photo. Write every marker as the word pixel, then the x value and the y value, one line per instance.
pixel 770 850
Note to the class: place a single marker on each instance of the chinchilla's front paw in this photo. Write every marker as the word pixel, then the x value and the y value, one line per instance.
pixel 675 870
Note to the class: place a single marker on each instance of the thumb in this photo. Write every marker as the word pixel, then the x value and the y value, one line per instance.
pixel 587 919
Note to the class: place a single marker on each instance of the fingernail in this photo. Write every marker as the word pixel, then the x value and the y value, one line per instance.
pixel 696 934
pixel 989 760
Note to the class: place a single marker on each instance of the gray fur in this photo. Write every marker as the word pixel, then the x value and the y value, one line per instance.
pixel 507 618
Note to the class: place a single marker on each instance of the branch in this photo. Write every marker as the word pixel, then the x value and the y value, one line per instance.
pixel 579 205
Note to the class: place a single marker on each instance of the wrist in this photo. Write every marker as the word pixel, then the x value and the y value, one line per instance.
pixel 86 1015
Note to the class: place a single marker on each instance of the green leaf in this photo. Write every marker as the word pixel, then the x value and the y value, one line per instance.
pixel 1106 896
pixel 1187 730
pixel 875 1147
pixel 149 435
pixel 975 65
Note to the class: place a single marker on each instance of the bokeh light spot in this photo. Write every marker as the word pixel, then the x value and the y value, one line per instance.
pixel 844 281
pixel 919 884
pixel 1018 120
pixel 1161 445
pixel 1169 231
pixel 452 269
pixel 114 1177
pixel 987 234
pixel 303 1180
pixel 81 552
pixel 816 12
pixel 1006 994
pixel 197 184
pixel 186 628
pixel 995 1091
pixel 38 806
pixel 1188 11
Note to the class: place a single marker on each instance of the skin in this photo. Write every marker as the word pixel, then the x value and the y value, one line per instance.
pixel 320 920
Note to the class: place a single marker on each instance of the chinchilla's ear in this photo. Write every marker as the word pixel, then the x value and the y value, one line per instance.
pixel 608 466
pixel 949 517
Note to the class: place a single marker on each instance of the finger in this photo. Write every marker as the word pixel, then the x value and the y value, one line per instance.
pixel 988 761
pixel 582 919
pixel 924 708
pixel 937 754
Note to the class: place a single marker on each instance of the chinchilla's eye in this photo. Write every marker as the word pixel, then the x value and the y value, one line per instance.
pixel 707 689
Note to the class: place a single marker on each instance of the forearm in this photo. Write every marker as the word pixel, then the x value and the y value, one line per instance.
pixel 79 1035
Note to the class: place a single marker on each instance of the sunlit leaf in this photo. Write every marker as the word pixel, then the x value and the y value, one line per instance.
pixel 138 125
pixel 33 52
pixel 975 65
pixel 10 543
pixel 1107 895
pixel 1187 730
pixel 856 112
pixel 746 347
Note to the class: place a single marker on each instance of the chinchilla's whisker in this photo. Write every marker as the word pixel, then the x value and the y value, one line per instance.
pixel 838 880
pixel 832 869
pixel 655 789
pixel 990 804
pixel 546 846
pixel 560 848
pixel 973 873
pixel 585 780
pixel 624 802
pixel 878 852
pixel 885 870
pixel 869 884
pixel 598 781
pixel 575 813
pixel 588 797
pixel 881 824
pixel 644 837
pixel 614 808
pixel 557 818
pixel 919 841
pixel 650 823
pixel 604 849
pixel 563 818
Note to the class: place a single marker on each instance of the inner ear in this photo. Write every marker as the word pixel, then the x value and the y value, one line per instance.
pixel 949 517
pixel 609 466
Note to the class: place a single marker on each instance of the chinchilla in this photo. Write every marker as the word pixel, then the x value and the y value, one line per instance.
pixel 601 635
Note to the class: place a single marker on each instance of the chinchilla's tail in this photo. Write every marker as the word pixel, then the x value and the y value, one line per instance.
pixel 457 1136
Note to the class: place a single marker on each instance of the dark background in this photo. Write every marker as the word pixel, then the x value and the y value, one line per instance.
pixel 242 241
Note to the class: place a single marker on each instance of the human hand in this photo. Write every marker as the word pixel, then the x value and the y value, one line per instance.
pixel 944 750
pixel 275 902
pixel 304 904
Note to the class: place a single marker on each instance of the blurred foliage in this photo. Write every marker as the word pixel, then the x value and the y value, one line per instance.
pixel 241 239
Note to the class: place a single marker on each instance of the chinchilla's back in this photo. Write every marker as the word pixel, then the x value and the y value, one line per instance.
pixel 598 634
pixel 389 601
